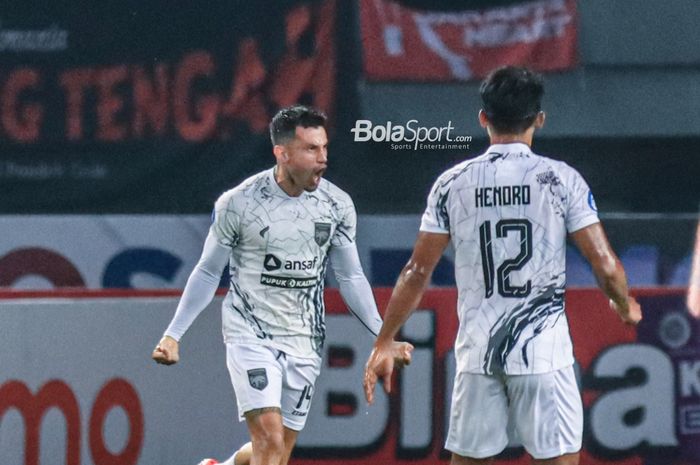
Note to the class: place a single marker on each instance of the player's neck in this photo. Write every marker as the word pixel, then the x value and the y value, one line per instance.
pixel 511 139
pixel 286 183
pixel 524 137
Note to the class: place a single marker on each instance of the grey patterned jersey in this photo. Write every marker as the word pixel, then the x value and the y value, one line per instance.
pixel 508 212
pixel 279 248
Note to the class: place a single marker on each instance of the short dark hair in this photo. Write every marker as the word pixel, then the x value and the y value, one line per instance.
pixel 512 97
pixel 284 124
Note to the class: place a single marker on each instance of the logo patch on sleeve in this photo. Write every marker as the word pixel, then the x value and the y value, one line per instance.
pixel 591 202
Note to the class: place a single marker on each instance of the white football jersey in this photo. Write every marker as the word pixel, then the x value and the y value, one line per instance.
pixel 508 212
pixel 279 251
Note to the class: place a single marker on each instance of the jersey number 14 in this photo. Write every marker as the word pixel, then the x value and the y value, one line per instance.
pixel 503 228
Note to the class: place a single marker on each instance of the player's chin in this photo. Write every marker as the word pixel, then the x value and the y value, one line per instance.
pixel 313 183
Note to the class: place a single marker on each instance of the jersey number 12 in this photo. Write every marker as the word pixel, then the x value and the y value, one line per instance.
pixel 503 227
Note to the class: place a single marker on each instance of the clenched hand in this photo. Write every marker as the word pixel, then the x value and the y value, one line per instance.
pixel 166 352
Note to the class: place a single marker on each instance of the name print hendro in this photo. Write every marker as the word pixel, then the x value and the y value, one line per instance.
pixel 502 195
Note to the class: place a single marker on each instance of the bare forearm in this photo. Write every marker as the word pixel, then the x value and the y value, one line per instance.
pixel 413 280
pixel 612 280
pixel 594 245
pixel 404 299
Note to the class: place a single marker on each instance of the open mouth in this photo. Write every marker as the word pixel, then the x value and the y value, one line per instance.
pixel 318 174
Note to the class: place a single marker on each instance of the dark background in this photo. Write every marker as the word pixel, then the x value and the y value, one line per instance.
pixel 165 174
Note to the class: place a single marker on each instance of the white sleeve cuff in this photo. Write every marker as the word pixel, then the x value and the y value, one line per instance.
pixel 433 229
pixel 580 223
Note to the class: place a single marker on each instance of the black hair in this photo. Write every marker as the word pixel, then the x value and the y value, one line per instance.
pixel 284 124
pixel 512 98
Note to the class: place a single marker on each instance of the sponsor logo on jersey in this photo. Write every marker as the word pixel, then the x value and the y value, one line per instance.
pixel 322 232
pixel 300 264
pixel 257 378
pixel 272 263
pixel 287 282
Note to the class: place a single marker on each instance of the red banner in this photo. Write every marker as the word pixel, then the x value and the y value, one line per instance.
pixel 405 44
pixel 100 110
pixel 196 97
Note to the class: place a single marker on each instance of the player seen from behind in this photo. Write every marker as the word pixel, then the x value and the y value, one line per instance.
pixel 507 214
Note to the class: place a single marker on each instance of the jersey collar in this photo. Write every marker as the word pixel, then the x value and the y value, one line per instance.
pixel 514 147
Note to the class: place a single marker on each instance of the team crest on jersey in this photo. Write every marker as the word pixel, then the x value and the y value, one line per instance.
pixel 257 378
pixel 322 232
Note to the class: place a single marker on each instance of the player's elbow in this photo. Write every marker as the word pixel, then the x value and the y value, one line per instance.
pixel 355 276
pixel 416 274
pixel 208 270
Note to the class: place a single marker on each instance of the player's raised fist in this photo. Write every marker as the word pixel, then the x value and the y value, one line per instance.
pixel 167 351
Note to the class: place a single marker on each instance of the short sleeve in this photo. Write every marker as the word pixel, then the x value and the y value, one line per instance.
pixel 226 221
pixel 582 210
pixel 436 218
pixel 346 228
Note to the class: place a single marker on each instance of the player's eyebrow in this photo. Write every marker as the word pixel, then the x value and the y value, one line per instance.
pixel 313 145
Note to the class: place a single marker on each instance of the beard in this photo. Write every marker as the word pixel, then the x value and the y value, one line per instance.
pixel 313 180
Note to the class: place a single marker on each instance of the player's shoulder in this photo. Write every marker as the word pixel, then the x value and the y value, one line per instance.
pixel 547 167
pixel 239 195
pixel 459 171
pixel 548 162
pixel 333 194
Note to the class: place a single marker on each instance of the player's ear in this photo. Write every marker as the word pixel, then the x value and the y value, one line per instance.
pixel 483 119
pixel 539 120
pixel 280 152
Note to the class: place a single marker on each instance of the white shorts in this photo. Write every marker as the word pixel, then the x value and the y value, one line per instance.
pixel 265 377
pixel 545 411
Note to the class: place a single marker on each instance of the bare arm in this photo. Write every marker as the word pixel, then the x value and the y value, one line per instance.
pixel 411 284
pixel 412 281
pixel 608 271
